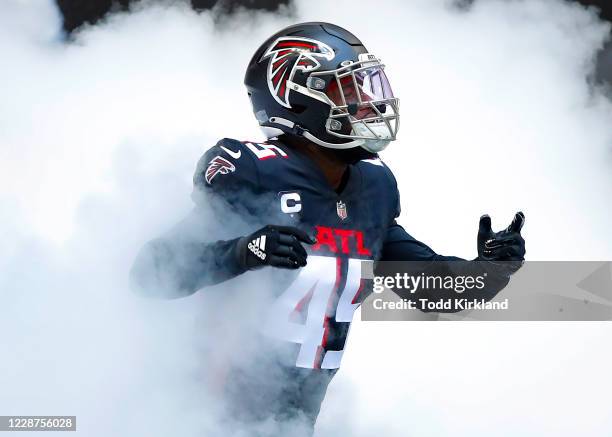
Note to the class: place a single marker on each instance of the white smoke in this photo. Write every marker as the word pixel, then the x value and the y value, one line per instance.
pixel 98 142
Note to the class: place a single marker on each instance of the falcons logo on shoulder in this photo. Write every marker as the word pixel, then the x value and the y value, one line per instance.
pixel 218 165
pixel 288 54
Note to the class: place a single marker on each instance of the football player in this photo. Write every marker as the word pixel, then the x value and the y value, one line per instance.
pixel 314 198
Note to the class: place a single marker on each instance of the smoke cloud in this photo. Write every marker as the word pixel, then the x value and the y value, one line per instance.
pixel 98 142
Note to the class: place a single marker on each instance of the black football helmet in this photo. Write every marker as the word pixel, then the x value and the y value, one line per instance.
pixel 318 81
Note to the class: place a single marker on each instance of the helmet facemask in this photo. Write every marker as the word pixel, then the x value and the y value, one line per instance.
pixel 362 106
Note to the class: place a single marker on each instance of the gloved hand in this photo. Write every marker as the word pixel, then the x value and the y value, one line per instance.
pixel 507 245
pixel 277 246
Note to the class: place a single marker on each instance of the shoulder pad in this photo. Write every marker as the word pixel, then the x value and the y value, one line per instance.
pixel 377 173
pixel 225 164
pixel 376 168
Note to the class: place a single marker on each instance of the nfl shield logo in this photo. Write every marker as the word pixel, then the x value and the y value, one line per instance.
pixel 341 209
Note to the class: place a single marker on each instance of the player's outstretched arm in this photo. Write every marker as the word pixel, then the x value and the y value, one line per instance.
pixel 500 254
pixel 226 184
pixel 178 265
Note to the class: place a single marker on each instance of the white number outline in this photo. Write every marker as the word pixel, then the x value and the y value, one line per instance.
pixel 317 286
pixel 265 151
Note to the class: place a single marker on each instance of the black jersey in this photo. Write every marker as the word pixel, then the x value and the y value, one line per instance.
pixel 310 313
pixel 280 185
pixel 276 184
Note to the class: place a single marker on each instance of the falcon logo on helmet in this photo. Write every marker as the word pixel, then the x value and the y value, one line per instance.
pixel 288 54
pixel 218 165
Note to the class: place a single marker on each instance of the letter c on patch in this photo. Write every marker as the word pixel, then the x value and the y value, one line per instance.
pixel 291 202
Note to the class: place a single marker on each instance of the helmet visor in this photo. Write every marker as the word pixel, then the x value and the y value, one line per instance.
pixel 361 91
pixel 363 106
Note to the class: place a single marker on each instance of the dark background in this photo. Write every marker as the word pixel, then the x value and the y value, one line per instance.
pixel 78 12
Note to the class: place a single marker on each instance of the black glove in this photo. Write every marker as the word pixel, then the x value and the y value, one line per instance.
pixel 277 246
pixel 507 245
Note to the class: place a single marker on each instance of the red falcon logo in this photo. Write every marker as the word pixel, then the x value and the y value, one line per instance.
pixel 218 165
pixel 288 54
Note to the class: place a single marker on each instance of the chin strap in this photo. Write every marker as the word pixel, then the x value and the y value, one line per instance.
pixel 294 129
pixel 343 146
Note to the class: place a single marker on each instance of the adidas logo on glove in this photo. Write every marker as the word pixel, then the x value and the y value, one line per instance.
pixel 258 247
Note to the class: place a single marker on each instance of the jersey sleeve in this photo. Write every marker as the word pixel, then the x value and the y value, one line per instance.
pixel 419 258
pixel 227 171
pixel 201 249
pixel 399 245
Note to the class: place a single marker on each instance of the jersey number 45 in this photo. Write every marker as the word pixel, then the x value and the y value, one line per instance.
pixel 317 309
